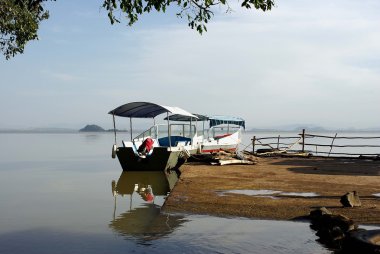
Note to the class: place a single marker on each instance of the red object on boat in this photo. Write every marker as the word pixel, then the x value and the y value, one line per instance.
pixel 146 145
pixel 149 197
pixel 223 136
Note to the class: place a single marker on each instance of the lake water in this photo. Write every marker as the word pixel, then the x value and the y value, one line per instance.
pixel 62 193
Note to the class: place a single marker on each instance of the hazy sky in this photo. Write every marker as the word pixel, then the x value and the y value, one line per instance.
pixel 308 62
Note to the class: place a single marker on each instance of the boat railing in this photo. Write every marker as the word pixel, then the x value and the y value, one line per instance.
pixel 183 130
pixel 161 130
pixel 151 132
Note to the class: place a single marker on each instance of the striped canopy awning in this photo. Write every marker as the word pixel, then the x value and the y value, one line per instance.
pixel 219 120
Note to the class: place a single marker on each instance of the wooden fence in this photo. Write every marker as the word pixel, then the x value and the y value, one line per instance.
pixel 323 146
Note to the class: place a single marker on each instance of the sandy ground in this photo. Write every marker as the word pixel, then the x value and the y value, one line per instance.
pixel 201 188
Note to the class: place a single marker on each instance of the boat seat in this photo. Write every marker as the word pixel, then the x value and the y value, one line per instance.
pixel 130 144
pixel 182 143
pixel 134 148
pixel 174 141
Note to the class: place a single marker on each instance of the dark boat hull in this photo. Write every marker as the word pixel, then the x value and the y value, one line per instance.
pixel 160 160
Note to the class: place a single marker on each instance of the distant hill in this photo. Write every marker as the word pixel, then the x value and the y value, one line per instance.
pixel 97 128
pixel 92 128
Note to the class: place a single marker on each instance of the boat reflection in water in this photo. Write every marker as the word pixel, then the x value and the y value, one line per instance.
pixel 145 192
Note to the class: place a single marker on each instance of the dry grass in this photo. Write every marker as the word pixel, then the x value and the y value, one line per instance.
pixel 198 190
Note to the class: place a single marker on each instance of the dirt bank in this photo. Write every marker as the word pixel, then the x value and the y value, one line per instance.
pixel 200 189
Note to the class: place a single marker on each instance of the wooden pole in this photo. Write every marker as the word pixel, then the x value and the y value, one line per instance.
pixel 278 142
pixel 331 146
pixel 303 140
pixel 253 144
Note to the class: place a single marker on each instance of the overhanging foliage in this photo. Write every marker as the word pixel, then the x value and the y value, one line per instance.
pixel 20 19
pixel 19 22
pixel 197 12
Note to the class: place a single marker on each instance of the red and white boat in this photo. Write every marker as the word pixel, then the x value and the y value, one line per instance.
pixel 224 132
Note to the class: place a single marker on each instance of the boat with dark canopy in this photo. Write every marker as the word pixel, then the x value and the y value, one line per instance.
pixel 156 149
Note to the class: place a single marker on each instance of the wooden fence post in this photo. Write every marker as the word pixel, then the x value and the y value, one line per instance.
pixel 303 140
pixel 253 144
pixel 332 142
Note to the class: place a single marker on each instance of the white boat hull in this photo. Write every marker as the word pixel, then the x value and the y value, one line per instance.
pixel 229 142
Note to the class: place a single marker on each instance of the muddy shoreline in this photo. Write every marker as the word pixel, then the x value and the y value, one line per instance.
pixel 203 189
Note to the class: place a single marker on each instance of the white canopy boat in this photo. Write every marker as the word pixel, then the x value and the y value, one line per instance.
pixel 156 149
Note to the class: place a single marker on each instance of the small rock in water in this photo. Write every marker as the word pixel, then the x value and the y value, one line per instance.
pixel 317 213
pixel 350 199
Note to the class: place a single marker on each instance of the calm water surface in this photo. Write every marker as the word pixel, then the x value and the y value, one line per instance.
pixel 62 193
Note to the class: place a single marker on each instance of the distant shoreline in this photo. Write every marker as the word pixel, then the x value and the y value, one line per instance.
pixel 317 130
pixel 89 128
pixel 57 131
